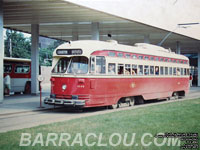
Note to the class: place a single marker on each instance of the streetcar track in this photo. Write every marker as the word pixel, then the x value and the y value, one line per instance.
pixel 61 114
pixel 88 110
pixel 29 111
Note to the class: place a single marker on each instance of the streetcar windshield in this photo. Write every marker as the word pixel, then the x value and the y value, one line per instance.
pixel 61 66
pixel 75 65
pixel 78 65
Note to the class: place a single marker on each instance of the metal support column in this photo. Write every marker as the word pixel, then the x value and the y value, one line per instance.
pixel 178 47
pixel 34 58
pixel 198 69
pixel 95 31
pixel 146 39
pixel 1 52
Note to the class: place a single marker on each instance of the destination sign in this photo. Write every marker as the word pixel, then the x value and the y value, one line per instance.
pixel 69 52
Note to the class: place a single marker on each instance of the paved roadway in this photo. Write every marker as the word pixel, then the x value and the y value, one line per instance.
pixel 13 121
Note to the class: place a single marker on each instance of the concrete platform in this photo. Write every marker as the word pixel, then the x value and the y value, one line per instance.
pixel 23 103
pixel 194 89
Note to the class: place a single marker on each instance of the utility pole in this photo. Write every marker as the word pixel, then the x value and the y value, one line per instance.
pixel 10 47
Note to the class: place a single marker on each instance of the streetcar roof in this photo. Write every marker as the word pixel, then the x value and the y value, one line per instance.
pixel 90 46
pixel 16 59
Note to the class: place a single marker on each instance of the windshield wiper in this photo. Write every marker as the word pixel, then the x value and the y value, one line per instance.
pixel 69 64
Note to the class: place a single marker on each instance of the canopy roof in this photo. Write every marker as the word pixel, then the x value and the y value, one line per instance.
pixel 61 19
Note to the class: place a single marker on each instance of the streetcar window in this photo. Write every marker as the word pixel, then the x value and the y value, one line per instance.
pixel 170 71
pixel 92 64
pixel 157 59
pixel 156 70
pixel 100 65
pixel 140 70
pixel 140 57
pixel 120 54
pixel 146 57
pixel 177 61
pixel 181 71
pixel 134 56
pixel 112 54
pixel 7 68
pixel 78 64
pixel 111 68
pixel 181 62
pixel 61 65
pixel 166 70
pixel 161 70
pixel 185 72
pixel 174 60
pixel 22 69
pixel 146 70
pixel 120 69
pixel 152 58
pixel 178 72
pixel 127 55
pixel 174 71
pixel 151 70
pixel 188 72
pixel 166 59
pixel 134 69
pixel 161 59
pixel 170 60
pixel 127 69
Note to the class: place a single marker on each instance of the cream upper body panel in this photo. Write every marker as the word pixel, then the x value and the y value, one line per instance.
pixel 90 46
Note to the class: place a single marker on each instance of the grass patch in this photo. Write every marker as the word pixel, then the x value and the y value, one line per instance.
pixel 177 117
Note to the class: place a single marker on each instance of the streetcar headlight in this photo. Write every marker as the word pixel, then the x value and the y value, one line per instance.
pixel 64 86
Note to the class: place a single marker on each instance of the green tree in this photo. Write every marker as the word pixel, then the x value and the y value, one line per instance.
pixel 16 45
pixel 46 54
pixel 55 44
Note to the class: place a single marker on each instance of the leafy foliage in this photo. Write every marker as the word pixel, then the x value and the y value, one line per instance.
pixel 18 46
pixel 47 53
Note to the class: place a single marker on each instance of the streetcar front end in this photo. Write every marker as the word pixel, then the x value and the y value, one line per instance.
pixel 69 85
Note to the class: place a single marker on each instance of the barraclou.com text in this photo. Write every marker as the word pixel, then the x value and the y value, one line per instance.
pixel 93 139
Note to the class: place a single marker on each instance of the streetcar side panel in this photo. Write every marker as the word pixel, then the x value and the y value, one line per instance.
pixel 19 72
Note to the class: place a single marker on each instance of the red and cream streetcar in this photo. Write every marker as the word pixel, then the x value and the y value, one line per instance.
pixel 19 70
pixel 97 73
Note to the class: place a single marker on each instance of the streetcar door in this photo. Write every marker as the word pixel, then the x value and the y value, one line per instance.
pixel 97 82
pixel 92 64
